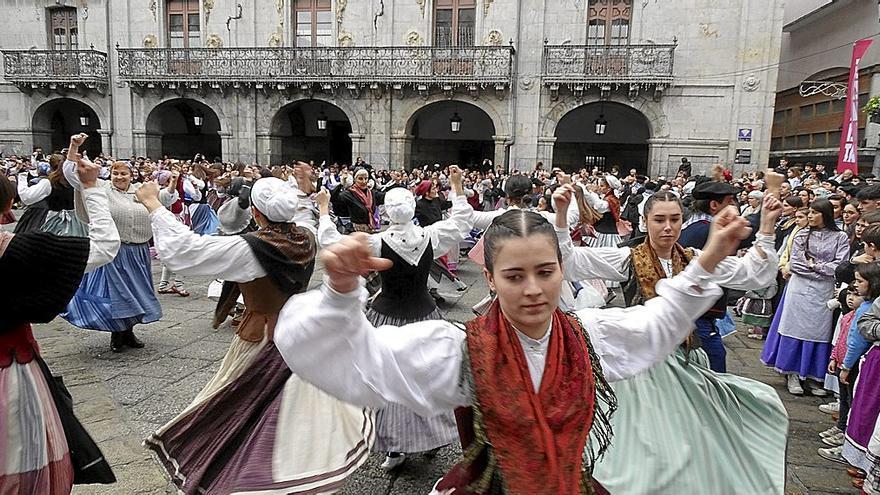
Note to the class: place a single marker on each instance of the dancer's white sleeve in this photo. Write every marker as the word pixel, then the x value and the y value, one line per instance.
pixel 447 234
pixel 749 272
pixel 325 339
pixel 35 193
pixel 631 340
pixel 586 263
pixel 187 253
pixel 103 235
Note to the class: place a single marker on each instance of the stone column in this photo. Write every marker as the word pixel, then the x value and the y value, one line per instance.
pixel 106 143
pixel 139 143
pixel 545 150
pixel 501 152
pixel 268 148
pixel 872 128
pixel 357 146
pixel 400 150
pixel 227 147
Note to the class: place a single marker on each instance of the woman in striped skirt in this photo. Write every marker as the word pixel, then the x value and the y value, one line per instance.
pixel 117 296
pixel 405 299
pixel 44 450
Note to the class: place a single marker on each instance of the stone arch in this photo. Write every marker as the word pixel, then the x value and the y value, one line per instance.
pixel 623 142
pixel 658 122
pixel 171 129
pixel 415 106
pixel 428 137
pixel 56 119
pixel 293 132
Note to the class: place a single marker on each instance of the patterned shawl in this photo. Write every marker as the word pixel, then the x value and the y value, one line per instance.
pixel 647 270
pixel 366 198
pixel 527 442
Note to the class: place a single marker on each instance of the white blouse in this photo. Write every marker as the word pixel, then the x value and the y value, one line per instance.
pixel 325 338
pixel 748 272
pixel 35 193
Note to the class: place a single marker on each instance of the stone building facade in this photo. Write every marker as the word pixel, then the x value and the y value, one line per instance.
pixel 399 82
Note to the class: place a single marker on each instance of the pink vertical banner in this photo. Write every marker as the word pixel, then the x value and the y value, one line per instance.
pixel 848 155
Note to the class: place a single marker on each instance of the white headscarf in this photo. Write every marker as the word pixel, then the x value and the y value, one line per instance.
pixel 408 240
pixel 275 199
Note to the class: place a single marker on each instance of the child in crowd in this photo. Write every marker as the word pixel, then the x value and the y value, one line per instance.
pixel 865 404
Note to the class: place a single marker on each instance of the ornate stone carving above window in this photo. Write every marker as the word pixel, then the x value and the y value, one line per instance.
pixel 214 41
pixel 494 38
pixel 154 8
pixel 751 83
pixel 486 5
pixel 345 39
pixel 208 6
pixel 421 7
pixel 340 11
pixel 275 39
pixel 413 38
pixel 150 41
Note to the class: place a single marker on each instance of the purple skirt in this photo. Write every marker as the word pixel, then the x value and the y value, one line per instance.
pixel 788 355
pixel 864 410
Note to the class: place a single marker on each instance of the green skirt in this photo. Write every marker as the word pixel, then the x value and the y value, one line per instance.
pixel 682 428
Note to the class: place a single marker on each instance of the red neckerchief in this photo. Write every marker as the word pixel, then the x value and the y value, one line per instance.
pixel 538 438
pixel 367 199
pixel 177 206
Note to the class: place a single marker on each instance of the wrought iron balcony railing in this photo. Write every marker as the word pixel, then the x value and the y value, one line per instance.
pixel 583 65
pixel 415 66
pixel 32 69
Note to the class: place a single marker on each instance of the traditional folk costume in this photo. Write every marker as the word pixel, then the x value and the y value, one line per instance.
pixel 533 402
pixel 255 427
pixel 58 216
pixel 799 340
pixel 361 205
pixel 44 449
pixel 404 298
pixel 204 218
pixel 118 295
pixel 171 283
pixel 740 447
pixel 864 409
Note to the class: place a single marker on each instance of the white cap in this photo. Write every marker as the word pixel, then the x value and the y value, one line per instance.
pixel 612 181
pixel 275 199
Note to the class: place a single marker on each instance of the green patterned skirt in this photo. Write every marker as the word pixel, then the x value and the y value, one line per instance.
pixel 682 428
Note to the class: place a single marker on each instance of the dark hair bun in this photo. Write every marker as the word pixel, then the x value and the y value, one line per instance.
pixel 517 186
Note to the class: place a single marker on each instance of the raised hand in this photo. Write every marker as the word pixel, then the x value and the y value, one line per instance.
pixel 561 199
pixel 148 195
pixel 88 172
pixel 727 230
pixel 349 259
pixel 77 140
pixel 771 210
pixel 322 199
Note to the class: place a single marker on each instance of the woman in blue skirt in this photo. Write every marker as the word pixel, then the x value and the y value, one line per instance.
pixel 119 295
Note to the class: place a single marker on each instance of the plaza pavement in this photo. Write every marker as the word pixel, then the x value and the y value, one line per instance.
pixel 123 397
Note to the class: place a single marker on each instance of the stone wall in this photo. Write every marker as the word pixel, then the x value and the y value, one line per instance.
pixel 721 83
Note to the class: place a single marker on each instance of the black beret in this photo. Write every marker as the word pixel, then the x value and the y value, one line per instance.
pixel 713 190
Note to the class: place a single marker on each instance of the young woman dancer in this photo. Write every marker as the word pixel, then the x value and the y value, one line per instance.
pixel 255 427
pixel 404 298
pixel 532 376
pixel 660 407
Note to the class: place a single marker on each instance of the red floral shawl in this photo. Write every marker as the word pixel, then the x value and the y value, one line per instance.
pixel 537 440
pixel 367 199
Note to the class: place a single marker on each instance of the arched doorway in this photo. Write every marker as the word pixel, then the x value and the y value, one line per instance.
pixel 56 120
pixel 311 130
pixel 180 128
pixel 448 132
pixel 624 142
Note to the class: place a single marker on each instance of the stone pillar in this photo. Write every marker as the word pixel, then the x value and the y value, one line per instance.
pixel 106 143
pixel 228 150
pixel 139 143
pixel 871 128
pixel 357 146
pixel 400 150
pixel 268 148
pixel 501 143
pixel 545 150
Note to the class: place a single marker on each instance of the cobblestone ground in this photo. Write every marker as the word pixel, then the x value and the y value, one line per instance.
pixel 123 397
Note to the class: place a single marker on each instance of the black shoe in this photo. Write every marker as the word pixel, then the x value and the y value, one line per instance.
pixel 132 341
pixel 117 341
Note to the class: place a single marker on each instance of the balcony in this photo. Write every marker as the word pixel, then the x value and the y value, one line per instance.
pixel 56 70
pixel 579 67
pixel 352 68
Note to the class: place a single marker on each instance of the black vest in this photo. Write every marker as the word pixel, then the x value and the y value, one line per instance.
pixel 405 287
